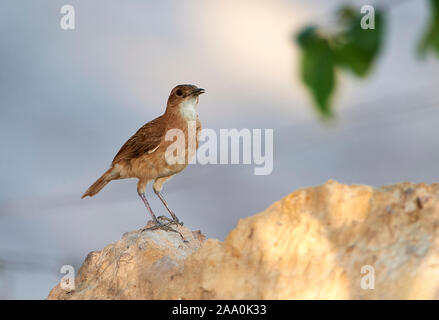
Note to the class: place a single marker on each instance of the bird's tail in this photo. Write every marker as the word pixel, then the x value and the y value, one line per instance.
pixel 99 184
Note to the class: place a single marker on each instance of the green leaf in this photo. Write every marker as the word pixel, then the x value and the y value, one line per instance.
pixel 353 48
pixel 357 48
pixel 317 68
pixel 306 36
pixel 430 39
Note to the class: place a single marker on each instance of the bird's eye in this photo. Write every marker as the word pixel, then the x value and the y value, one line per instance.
pixel 179 93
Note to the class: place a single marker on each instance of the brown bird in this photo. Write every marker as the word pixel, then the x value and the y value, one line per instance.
pixel 143 156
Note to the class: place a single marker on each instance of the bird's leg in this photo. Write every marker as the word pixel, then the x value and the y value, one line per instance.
pixel 174 217
pixel 143 197
pixel 157 187
pixel 158 224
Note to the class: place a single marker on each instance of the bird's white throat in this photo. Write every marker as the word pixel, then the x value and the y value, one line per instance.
pixel 188 109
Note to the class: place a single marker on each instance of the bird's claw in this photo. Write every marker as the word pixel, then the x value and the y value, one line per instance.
pixel 163 226
pixel 171 221
pixel 160 225
pixel 164 218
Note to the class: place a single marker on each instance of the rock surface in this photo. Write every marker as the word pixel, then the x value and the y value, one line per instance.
pixel 333 241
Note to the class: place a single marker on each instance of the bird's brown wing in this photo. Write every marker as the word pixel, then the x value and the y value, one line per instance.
pixel 146 139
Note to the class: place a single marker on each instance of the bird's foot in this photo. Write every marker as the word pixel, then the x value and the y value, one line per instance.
pixel 164 218
pixel 172 221
pixel 163 226
pixel 157 224
pixel 178 222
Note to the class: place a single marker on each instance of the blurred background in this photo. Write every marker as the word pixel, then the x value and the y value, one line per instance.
pixel 71 98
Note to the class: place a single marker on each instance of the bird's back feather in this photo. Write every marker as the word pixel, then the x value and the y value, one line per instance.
pixel 147 138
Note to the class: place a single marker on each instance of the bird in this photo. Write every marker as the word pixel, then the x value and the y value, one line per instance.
pixel 144 155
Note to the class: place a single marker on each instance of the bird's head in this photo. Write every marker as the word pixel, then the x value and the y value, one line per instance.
pixel 184 97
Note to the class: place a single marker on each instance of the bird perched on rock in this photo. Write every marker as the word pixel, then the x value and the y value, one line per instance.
pixel 144 156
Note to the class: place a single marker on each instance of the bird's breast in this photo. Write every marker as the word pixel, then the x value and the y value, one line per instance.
pixel 155 163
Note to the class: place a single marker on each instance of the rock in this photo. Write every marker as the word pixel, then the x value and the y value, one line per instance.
pixel 333 241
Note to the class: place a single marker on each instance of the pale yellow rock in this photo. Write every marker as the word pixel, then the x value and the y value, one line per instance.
pixel 328 242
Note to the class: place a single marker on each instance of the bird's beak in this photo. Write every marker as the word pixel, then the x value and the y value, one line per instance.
pixel 198 91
